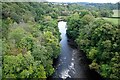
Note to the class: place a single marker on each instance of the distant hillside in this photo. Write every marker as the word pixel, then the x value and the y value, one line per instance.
pixel 105 5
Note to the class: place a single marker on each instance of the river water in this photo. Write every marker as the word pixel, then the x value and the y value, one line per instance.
pixel 71 63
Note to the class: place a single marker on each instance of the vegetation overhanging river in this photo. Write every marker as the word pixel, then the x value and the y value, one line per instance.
pixel 71 62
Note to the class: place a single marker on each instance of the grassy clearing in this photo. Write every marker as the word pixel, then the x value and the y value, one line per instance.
pixel 116 13
pixel 113 20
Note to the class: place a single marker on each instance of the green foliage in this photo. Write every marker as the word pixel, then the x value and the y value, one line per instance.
pixel 100 40
pixel 93 53
pixel 1 58
pixel 49 69
pixel 22 66
pixel 53 42
pixel 87 18
pixel 30 40
pixel 17 34
pixel 105 13
pixel 94 65
pixel 105 68
pixel 73 25
pixel 15 17
pixel 84 12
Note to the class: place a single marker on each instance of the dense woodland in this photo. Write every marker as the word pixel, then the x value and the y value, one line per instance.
pixel 30 38
pixel 99 39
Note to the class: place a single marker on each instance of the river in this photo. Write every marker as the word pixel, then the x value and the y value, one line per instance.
pixel 71 63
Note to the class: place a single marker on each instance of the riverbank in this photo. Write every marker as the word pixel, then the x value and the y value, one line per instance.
pixel 72 62
pixel 83 61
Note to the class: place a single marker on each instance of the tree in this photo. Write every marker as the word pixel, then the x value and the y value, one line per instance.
pixel 22 66
pixel 99 39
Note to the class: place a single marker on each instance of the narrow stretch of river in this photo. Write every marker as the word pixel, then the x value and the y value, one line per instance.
pixel 69 63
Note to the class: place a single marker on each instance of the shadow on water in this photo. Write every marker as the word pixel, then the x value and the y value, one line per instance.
pixel 71 63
